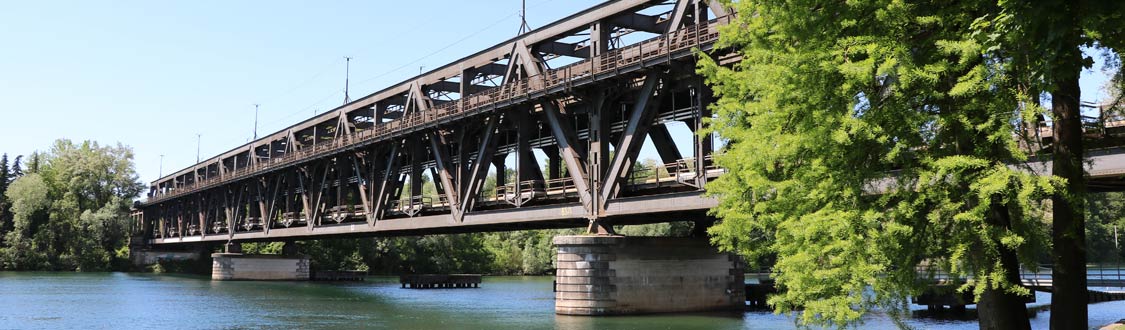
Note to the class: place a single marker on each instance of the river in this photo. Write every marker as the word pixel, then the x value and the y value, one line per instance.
pixel 125 301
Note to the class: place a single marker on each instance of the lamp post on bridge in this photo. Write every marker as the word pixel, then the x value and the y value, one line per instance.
pixel 255 121
pixel 347 75
pixel 198 140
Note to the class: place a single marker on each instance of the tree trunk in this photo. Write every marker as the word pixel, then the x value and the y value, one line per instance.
pixel 998 309
pixel 1068 230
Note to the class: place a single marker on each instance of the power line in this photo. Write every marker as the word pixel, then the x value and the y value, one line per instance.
pixel 408 64
pixel 319 73
pixel 305 108
pixel 396 69
pixel 450 45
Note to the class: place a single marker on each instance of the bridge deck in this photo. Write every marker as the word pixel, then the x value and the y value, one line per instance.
pixel 644 209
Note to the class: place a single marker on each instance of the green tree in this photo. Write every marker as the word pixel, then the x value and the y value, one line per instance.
pixel 506 249
pixel 4 177
pixel 525 252
pixel 663 229
pixel 338 254
pixel 71 209
pixel 30 206
pixel 1043 41
pixel 866 138
pixel 5 206
pixel 1106 215
pixel 16 170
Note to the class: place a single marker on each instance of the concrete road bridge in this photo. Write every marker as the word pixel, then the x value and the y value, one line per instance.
pixel 586 92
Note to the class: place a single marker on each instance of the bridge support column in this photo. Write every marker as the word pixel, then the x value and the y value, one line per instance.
pixel 233 265
pixel 613 275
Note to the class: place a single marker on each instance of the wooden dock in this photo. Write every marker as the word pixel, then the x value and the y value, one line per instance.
pixel 440 281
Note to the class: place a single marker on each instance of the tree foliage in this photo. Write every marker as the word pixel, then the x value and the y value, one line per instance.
pixel 866 138
pixel 70 210
pixel 1043 41
pixel 524 252
pixel 6 178
pixel 1105 227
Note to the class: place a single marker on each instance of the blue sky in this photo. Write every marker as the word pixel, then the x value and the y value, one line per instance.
pixel 153 74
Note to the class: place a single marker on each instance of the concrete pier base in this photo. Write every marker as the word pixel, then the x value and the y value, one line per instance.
pixel 238 266
pixel 613 275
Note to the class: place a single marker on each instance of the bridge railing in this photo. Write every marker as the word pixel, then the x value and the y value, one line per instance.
pixel 483 101
pixel 1102 275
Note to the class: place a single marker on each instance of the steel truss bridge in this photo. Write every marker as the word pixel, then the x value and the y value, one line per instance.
pixel 586 91
pixel 627 69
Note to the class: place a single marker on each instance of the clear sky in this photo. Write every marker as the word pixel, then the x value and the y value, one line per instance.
pixel 153 74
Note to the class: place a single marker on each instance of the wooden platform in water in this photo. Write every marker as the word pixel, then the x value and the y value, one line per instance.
pixel 440 281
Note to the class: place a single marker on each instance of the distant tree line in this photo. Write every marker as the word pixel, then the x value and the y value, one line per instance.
pixel 524 252
pixel 67 209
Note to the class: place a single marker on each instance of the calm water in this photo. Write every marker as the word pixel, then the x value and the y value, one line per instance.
pixel 119 300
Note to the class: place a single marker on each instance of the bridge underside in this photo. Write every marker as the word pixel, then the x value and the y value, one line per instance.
pixel 629 211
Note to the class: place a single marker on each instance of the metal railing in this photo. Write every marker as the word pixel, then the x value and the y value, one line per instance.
pixel 1104 276
pixel 658 48
pixel 1097 276
pixel 412 205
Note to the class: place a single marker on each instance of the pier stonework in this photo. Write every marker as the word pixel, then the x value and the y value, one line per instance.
pixel 613 275
pixel 237 266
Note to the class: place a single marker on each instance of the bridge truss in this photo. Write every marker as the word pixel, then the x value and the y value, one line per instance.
pixel 627 69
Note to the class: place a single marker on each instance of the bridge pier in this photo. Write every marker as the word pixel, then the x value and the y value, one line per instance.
pixel 175 259
pixel 234 265
pixel 613 275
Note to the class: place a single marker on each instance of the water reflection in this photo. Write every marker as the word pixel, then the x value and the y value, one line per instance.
pixel 116 300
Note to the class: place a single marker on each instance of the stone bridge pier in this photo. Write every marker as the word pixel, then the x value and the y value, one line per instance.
pixel 613 275
pixel 232 264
